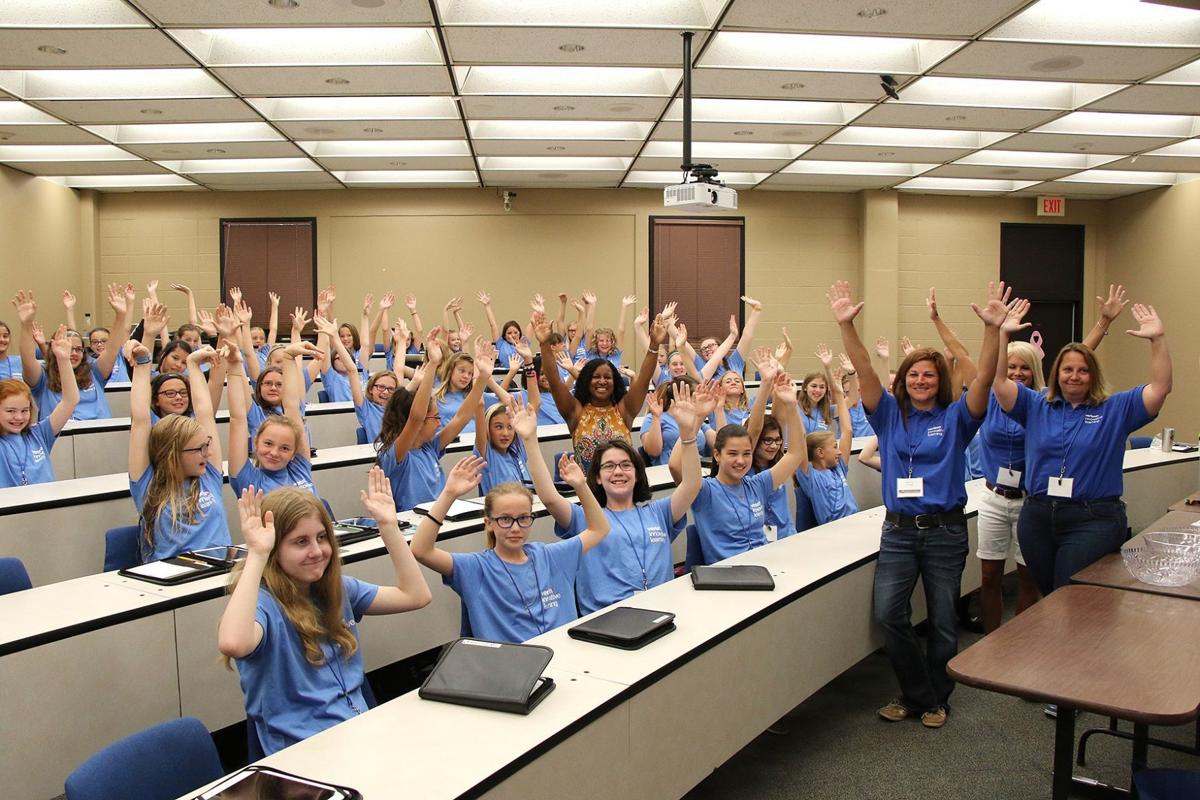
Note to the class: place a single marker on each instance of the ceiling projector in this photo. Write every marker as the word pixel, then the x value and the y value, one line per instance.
pixel 700 196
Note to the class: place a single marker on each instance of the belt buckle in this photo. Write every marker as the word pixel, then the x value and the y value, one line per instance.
pixel 932 518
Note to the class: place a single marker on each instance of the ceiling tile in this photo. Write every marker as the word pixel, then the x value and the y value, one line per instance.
pixel 350 108
pixel 373 129
pixel 257 183
pixel 448 154
pixel 328 80
pixel 234 13
pixel 559 107
pixel 960 117
pixel 115 112
pixel 781 85
pixel 568 46
pixel 555 147
pixel 827 183
pixel 899 18
pixel 69 13
pixel 23 48
pixel 558 129
pixel 1040 94
pixel 909 154
pixel 612 13
pixel 386 163
pixel 1152 99
pixel 46 134
pixel 233 47
pixel 1093 22
pixel 960 170
pixel 606 81
pixel 193 150
pixel 187 132
pixel 1171 126
pixel 745 132
pixel 1188 74
pixel 241 166
pixel 1061 62
pixel 790 51
pixel 790 112
pixel 1085 191
pixel 110 84
pixel 1080 143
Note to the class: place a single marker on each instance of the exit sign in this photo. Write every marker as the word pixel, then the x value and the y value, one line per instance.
pixel 1051 206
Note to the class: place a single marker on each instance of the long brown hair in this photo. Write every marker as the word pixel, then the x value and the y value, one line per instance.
pixel 823 404
pixel 167 440
pixel 447 369
pixel 83 371
pixel 945 395
pixel 258 398
pixel 1097 390
pixel 315 611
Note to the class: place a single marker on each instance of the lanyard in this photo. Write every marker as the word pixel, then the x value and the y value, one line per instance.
pixel 1062 472
pixel 541 626
pixel 22 458
pixel 735 502
pixel 615 516
pixel 337 676
pixel 913 445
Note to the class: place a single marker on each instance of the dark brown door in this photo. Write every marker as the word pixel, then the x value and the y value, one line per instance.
pixel 699 264
pixel 270 255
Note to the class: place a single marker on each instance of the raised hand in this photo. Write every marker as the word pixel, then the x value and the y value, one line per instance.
pixel 465 476
pixel 589 298
pixel 401 334
pixel 1149 325
pixel 785 390
pixel 761 357
pixel 117 298
pixel 130 294
pixel 39 338
pixel 931 303
pixel 377 498
pixel 152 288
pixel 485 357
pixel 578 305
pixel 824 355
pixel 564 361
pixel 571 473
pixel 417 375
pixel 368 303
pixel 525 351
pixel 465 331
pixel 207 324
pixel 133 350
pixel 25 305
pixel 60 345
pixel 669 309
pixel 68 299
pixel 484 297
pixel 653 404
pixel 154 317
pixel 433 346
pixel 327 326
pixel 274 298
pixel 301 349
pixel 785 347
pixel 658 332
pixel 883 348
pixel 1112 307
pixel 180 287
pixel 226 323
pixel 680 335
pixel 686 410
pixel 387 301
pixel 754 304
pixel 244 312
pixel 841 304
pixel 515 363
pixel 299 318
pixel 733 326
pixel 524 421
pixel 538 303
pixel 643 317
pixel 1017 310
pixel 906 345
pixel 235 294
pixel 995 311
pixel 541 326
pixel 847 364
pixel 410 302
pixel 201 354
pixel 454 304
pixel 705 397
pixel 231 353
pixel 257 530
pixel 628 300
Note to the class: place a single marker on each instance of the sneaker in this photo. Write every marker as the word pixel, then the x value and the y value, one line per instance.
pixel 894 711
pixel 935 718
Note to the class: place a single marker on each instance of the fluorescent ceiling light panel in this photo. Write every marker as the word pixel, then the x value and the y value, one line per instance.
pixel 708 109
pixel 405 148
pixel 1024 158
pixel 64 152
pixel 244 47
pixel 856 168
pixel 915 137
pixel 609 14
pixel 793 51
pixel 69 14
pixel 1113 22
pixel 559 129
pixel 1123 176
pixel 407 176
pixel 338 108
pixel 216 165
pixel 610 81
pixel 120 181
pixel 1099 123
pixel 990 93
pixel 1189 148
pixel 724 150
pixel 109 84
pixel 964 185
pixel 187 132
pixel 1188 75
pixel 554 163
pixel 16 113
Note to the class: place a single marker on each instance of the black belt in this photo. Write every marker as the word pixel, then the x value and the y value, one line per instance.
pixel 1006 492
pixel 954 516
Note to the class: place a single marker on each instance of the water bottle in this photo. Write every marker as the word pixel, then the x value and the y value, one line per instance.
pixel 1168 440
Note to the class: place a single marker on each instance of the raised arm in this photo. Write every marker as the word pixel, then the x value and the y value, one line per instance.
pixel 201 404
pixel 797 452
pixel 710 367
pixel 449 312
pixel 524 421
pixel 410 302
pixel 681 344
pixel 844 311
pixel 118 302
pixel 568 406
pixel 365 347
pixel 419 408
pixel 1004 388
pixel 190 297
pixel 593 515
pixel 965 368
pixel 745 344
pixel 293 391
pixel 784 350
pixel 640 331
pixel 273 320
pixel 845 425
pixel 464 478
pixel 485 361
pixel 652 439
pixel 410 591
pixel 768 368
pixel 883 358
pixel 238 633
pixel 485 300
pixel 1151 327
pixel 152 295
pixel 869 457
pixel 328 329
pixel 26 306
pixel 239 410
pixel 631 403
pixel 139 409
pixel 1109 309
pixel 688 418
pixel 623 320
pixel 61 345
pixel 68 301
pixel 852 393
pixel 589 318
pixel 993 314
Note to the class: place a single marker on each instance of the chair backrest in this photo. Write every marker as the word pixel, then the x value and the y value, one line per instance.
pixel 1139 442
pixel 159 763
pixel 13 576
pixel 694 555
pixel 557 456
pixel 360 434
pixel 805 516
pixel 329 509
pixel 322 396
pixel 121 549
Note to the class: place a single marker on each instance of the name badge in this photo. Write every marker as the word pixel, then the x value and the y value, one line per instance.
pixel 771 532
pixel 1060 487
pixel 1009 477
pixel 910 487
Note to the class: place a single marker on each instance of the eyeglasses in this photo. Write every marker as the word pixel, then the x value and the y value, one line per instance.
pixel 770 440
pixel 202 449
pixel 505 521
pixel 173 394
pixel 384 389
pixel 271 385
pixel 77 351
pixel 613 466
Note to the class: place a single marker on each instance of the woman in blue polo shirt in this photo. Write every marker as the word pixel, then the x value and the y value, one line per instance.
pixel 923 435
pixel 1074 453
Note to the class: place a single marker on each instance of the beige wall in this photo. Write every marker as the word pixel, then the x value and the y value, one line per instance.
pixel 42 245
pixel 1153 248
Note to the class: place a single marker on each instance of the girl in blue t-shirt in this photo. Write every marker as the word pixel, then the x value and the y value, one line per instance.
pixel 175 467
pixel 25 444
pixel 457 380
pixel 730 511
pixel 814 396
pixel 822 474
pixel 412 436
pixel 506 338
pixel 281 447
pixel 767 435
pixel 291 622
pixel 514 589
pixel 923 433
pixel 503 451
pixel 368 404
pixel 660 430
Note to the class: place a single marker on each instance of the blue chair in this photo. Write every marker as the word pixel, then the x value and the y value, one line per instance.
pixel 806 518
pixel 121 548
pixel 13 577
pixel 557 456
pixel 322 396
pixel 328 508
pixel 360 434
pixel 1139 442
pixel 694 555
pixel 159 763
pixel 1167 784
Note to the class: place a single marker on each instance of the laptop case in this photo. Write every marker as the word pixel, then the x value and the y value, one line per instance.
pixel 494 675
pixel 740 577
pixel 459 510
pixel 625 627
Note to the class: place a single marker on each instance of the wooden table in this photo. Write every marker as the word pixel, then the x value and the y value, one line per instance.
pixel 1079 648
pixel 1111 571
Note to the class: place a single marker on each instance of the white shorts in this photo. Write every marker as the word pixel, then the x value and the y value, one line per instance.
pixel 997 527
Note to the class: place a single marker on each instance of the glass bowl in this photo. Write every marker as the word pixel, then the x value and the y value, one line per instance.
pixel 1164 558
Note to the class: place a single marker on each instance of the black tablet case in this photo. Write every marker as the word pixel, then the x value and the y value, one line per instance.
pixel 207 569
pixel 494 675
pixel 740 577
pixel 353 794
pixel 625 627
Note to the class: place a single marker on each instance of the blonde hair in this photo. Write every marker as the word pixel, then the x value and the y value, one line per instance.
pixel 315 611
pixel 283 422
pixel 818 439
pixel 15 387
pixel 741 402
pixel 446 370
pixel 167 440
pixel 823 404
pixel 1025 352
pixel 489 503
pixel 1097 390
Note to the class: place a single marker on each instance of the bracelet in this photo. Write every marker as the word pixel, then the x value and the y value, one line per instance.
pixel 142 360
pixel 438 522
pixel 688 441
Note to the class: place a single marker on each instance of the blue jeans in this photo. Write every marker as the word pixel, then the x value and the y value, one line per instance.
pixel 1060 537
pixel 937 556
